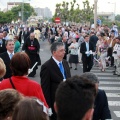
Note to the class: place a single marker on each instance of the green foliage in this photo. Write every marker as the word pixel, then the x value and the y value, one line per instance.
pixel 13 14
pixel 6 17
pixel 74 14
pixel 27 11
pixel 117 17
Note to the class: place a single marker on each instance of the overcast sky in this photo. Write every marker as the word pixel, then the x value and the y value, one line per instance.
pixel 103 5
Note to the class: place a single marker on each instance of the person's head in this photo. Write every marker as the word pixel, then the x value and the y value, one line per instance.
pixel 91 77
pixel 118 39
pixel 73 40
pixel 2 68
pixel 32 36
pixel 29 109
pixel 86 38
pixel 4 33
pixel 58 50
pixel 74 99
pixel 64 38
pixel 19 64
pixel 1 35
pixel 16 38
pixel 9 45
pixel 8 100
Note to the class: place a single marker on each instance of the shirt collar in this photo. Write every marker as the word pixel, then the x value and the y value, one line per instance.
pixel 10 53
pixel 56 61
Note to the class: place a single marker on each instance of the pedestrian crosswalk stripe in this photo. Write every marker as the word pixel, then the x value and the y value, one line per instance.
pixel 109 88
pixel 108 78
pixel 112 83
pixel 117 113
pixel 103 73
pixel 113 94
pixel 114 103
pixel 98 70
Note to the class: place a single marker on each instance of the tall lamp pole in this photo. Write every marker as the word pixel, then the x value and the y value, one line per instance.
pixel 95 13
pixel 22 11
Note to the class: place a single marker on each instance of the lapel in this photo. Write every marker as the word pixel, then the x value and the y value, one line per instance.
pixel 7 57
pixel 85 46
pixel 55 67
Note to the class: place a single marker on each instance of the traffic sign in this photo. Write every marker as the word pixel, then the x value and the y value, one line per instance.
pixel 57 20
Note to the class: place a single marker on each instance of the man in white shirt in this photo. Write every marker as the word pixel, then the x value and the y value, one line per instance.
pixel 7 56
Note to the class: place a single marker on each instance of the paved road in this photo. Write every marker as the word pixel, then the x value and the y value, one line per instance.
pixel 108 82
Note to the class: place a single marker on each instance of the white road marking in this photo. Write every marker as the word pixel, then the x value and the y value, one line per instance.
pixel 117 113
pixel 114 103
pixel 113 94
pixel 108 78
pixel 109 88
pixel 109 83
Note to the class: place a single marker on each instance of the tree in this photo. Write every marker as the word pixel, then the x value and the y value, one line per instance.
pixel 6 17
pixel 27 11
pixel 72 14
pixel 117 17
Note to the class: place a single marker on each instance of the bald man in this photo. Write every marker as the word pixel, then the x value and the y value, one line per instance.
pixel 31 47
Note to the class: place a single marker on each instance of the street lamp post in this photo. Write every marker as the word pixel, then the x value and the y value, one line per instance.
pixel 22 10
pixel 95 13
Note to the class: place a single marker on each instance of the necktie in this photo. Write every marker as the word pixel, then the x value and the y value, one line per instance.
pixel 62 70
pixel 11 55
pixel 87 46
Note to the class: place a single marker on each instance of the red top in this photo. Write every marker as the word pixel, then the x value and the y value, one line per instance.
pixel 25 86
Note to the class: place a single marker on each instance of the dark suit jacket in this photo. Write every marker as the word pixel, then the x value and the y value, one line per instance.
pixel 3 48
pixel 83 50
pixel 6 59
pixel 101 110
pixel 51 77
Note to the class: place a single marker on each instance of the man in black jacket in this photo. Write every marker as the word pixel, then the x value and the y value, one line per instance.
pixel 87 50
pixel 101 109
pixel 53 72
pixel 7 56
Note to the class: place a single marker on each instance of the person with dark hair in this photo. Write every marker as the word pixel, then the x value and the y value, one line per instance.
pixel 7 56
pixel 8 101
pixel 74 99
pixel 101 109
pixel 19 80
pixel 54 71
pixel 87 49
pixel 17 44
pixel 30 109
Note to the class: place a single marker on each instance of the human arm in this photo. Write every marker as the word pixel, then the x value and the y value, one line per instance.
pixel 45 83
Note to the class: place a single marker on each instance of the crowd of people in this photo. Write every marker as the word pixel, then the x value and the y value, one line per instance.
pixel 59 96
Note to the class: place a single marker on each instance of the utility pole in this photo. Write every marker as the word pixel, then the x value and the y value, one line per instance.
pixel 22 11
pixel 95 13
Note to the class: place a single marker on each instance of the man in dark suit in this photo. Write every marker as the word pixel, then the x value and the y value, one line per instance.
pixel 54 71
pixel 64 41
pixel 87 50
pixel 101 109
pixel 7 56
pixel 2 44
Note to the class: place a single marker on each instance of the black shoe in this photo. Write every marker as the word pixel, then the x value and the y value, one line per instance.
pixel 114 74
pixel 75 69
pixel 31 75
pixel 70 67
pixel 118 75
